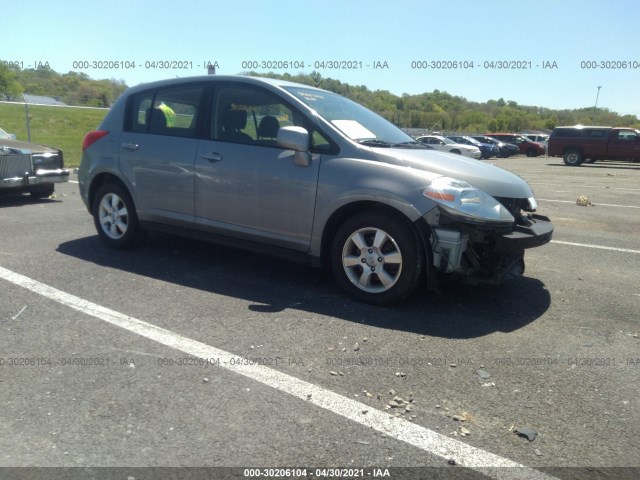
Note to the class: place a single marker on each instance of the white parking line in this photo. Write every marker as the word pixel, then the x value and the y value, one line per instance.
pixel 599 247
pixel 403 430
pixel 583 186
pixel 595 204
pixel 73 181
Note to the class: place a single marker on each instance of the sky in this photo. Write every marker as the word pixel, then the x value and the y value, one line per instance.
pixel 461 47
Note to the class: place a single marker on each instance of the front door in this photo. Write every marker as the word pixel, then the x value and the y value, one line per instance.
pixel 247 186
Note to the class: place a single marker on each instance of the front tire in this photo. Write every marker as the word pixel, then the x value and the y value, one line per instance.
pixel 42 191
pixel 377 258
pixel 114 216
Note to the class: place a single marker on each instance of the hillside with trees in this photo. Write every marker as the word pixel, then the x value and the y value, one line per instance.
pixel 435 110
pixel 72 88
pixel 444 112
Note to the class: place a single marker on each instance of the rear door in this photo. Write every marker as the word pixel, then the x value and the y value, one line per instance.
pixel 157 152
pixel 246 186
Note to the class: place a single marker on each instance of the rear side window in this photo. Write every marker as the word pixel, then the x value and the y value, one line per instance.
pixel 596 133
pixel 171 111
pixel 566 133
pixel 139 111
pixel 589 133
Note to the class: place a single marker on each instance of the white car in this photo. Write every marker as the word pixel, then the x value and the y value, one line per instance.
pixel 540 138
pixel 445 145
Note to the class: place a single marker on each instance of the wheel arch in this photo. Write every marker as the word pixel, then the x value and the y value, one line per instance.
pixel 571 148
pixel 420 227
pixel 100 180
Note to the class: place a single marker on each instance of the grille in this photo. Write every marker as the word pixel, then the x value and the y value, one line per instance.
pixel 514 205
pixel 14 165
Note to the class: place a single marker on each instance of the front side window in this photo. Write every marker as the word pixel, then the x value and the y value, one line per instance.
pixel 626 135
pixel 252 116
pixel 249 115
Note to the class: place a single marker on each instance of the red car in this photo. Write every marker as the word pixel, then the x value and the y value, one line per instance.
pixel 526 146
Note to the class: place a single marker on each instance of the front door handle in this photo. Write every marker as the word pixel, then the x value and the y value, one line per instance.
pixel 130 146
pixel 212 157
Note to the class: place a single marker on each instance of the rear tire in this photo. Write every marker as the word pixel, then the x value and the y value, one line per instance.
pixel 377 258
pixel 573 157
pixel 114 216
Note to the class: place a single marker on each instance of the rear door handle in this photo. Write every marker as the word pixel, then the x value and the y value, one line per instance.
pixel 212 157
pixel 130 146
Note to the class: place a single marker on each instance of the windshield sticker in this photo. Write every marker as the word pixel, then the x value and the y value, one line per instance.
pixel 353 129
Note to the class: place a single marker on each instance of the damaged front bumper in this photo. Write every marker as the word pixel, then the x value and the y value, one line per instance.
pixel 478 254
pixel 537 233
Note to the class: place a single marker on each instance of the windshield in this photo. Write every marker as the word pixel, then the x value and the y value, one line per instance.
pixel 5 135
pixel 352 119
pixel 473 141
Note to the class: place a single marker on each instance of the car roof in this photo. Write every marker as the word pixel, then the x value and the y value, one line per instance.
pixel 583 126
pixel 222 78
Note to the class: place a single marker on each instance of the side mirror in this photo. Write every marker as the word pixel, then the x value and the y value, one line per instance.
pixel 296 139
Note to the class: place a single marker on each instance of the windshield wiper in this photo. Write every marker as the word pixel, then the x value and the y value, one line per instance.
pixel 411 144
pixel 372 142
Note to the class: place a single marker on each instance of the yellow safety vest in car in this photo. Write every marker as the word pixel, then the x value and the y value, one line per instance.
pixel 169 114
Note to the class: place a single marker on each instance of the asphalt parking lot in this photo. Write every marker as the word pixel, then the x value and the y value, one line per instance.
pixel 186 354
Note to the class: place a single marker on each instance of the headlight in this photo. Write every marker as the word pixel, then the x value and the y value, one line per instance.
pixel 47 160
pixel 462 200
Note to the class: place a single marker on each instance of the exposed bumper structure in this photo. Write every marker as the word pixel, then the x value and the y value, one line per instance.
pixel 480 256
pixel 538 233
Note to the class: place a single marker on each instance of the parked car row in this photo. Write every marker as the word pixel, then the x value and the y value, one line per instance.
pixel 487 145
pixel 445 144
pixel 487 149
pixel 504 149
pixel 525 145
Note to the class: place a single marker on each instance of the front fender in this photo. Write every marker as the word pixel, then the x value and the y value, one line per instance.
pixel 344 181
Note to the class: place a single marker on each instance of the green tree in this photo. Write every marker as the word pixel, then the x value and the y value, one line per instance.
pixel 10 88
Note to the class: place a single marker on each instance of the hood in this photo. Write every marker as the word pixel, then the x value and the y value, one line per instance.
pixel 25 147
pixel 486 177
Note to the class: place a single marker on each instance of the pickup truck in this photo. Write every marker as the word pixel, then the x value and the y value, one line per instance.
pixel 579 144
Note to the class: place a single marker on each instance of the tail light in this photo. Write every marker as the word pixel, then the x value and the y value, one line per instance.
pixel 92 137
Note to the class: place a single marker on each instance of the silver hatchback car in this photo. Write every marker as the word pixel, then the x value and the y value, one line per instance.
pixel 295 171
